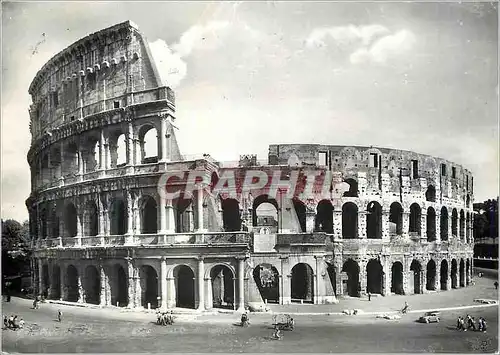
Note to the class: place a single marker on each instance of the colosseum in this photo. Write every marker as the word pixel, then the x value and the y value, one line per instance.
pixel 392 222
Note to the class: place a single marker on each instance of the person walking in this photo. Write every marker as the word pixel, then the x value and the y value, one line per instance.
pixel 496 285
pixel 369 296
pixel 59 315
pixel 459 323
pixel 5 322
pixel 21 323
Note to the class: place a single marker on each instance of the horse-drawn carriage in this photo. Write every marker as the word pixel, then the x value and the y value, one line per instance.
pixel 283 322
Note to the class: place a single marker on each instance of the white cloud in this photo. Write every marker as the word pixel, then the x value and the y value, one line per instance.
pixel 197 35
pixel 384 48
pixel 171 67
pixel 345 34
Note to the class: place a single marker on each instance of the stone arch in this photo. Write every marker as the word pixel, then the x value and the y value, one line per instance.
pixel 222 281
pixel 118 217
pixel 467 271
pixel 266 276
pixel 56 282
pixel 431 225
pixel 454 273
pixel 467 201
pixel 396 217
pixel 70 220
pixel 184 280
pixel 467 227
pixel 431 275
pixel 149 215
pixel 92 286
pixel 302 283
pixel 265 216
pixel 54 222
pixel 374 220
pixel 443 224
pixel 45 280
pixel 374 277
pixel 119 286
pixel 454 219
pixel 149 143
pixel 416 268
pixel 332 273
pixel 462 273
pixel 70 159
pixel 349 220
pixel 91 219
pixel 353 188
pixel 443 275
pixel 184 214
pixel 415 219
pixel 44 225
pixel 397 278
pixel 430 194
pixel 72 284
pixel 231 216
pixel 91 154
pixel 462 225
pixel 324 217
pixel 353 286
pixel 118 149
pixel 149 286
pixel 300 210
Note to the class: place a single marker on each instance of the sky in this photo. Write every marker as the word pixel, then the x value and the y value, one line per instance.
pixel 414 76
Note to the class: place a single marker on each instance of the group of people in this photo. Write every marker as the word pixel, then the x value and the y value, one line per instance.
pixel 13 322
pixel 165 318
pixel 469 322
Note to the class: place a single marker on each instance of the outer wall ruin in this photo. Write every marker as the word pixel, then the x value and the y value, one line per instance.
pixel 102 234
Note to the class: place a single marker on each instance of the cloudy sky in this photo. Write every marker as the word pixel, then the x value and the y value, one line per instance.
pixel 415 76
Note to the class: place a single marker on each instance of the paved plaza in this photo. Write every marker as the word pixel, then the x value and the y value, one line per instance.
pixel 113 330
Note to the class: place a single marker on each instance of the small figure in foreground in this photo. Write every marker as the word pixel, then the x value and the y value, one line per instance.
pixel 496 285
pixel 406 308
pixel 277 333
pixel 59 315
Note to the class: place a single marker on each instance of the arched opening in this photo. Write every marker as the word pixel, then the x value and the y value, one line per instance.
pixel 222 287
pixel 73 291
pixel 266 277
pixel 54 222
pixel 119 287
pixel 353 188
pixel 324 217
pixel 91 219
pixel 92 285
pixel 231 217
pixel 444 275
pixel 91 155
pixel 397 278
pixel 443 225
pixel 431 225
pixel 431 275
pixel 70 160
pixel 70 220
pixel 416 268
pixel 184 286
pixel 467 201
pixel 349 221
pixel 352 287
pixel 462 225
pixel 121 151
pixel 467 272
pixel 396 218
pixel 332 274
pixel 43 218
pixel 415 219
pixel 184 215
pixel 265 213
pixel 430 194
pixel 149 286
pixel 454 220
pixel 118 217
pixel 462 273
pixel 374 277
pixel 467 228
pixel 374 220
pixel 45 280
pixel 302 283
pixel 56 282
pixel 454 274
pixel 300 210
pixel 149 216
pixel 148 139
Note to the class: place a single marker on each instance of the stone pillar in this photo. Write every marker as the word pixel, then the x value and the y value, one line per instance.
pixel 423 225
pixel 189 213
pixel 136 212
pixel 81 290
pixel 163 283
pixel 163 215
pixel 385 225
pixel 131 282
pixel 130 145
pixel 170 217
pixel 63 282
pixel 423 281
pixel 171 303
pixel 130 218
pixel 438 226
pixel 241 284
pixel 285 292
pixel 163 138
pixel 40 277
pixel 337 224
pixel 310 215
pixel 79 229
pixel 448 279
pixel 406 223
pixel 201 284
pixel 199 209
pixel 362 224
pixel 104 298
pixel 362 277
pixel 81 163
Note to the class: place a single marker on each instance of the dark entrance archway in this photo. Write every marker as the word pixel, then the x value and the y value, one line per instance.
pixel 396 217
pixel 351 268
pixel 149 215
pixel 443 226
pixel 444 275
pixel 222 287
pixel 324 217
pixel 467 272
pixel 184 286
pixel 70 220
pixel 92 285
pixel 415 219
pixel 431 225
pixel 184 214
pixel 431 275
pixel 397 278
pixel 119 286
pixel 374 220
pixel 333 277
pixel 300 210
pixel 266 277
pixel 349 221
pixel 73 292
pixel 45 280
pixel 231 217
pixel 118 218
pixel 462 273
pixel 374 277
pixel 454 222
pixel 56 282
pixel 302 284
pixel 149 286
pixel 417 269
pixel 454 274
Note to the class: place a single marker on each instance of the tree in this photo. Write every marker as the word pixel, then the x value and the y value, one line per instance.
pixel 15 247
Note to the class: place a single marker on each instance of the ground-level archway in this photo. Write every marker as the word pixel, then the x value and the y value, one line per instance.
pixel 73 292
pixel 467 272
pixel 431 275
pixel 444 275
pixel 92 286
pixel 462 273
pixel 266 277
pixel 119 286
pixel 222 278
pixel 454 274
pixel 416 268
pixel 184 286
pixel 56 282
pixel 149 286
pixel 45 280
pixel 352 286
pixel 397 278
pixel 374 277
pixel 302 283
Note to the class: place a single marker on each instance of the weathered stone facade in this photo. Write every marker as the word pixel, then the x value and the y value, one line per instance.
pixel 103 234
